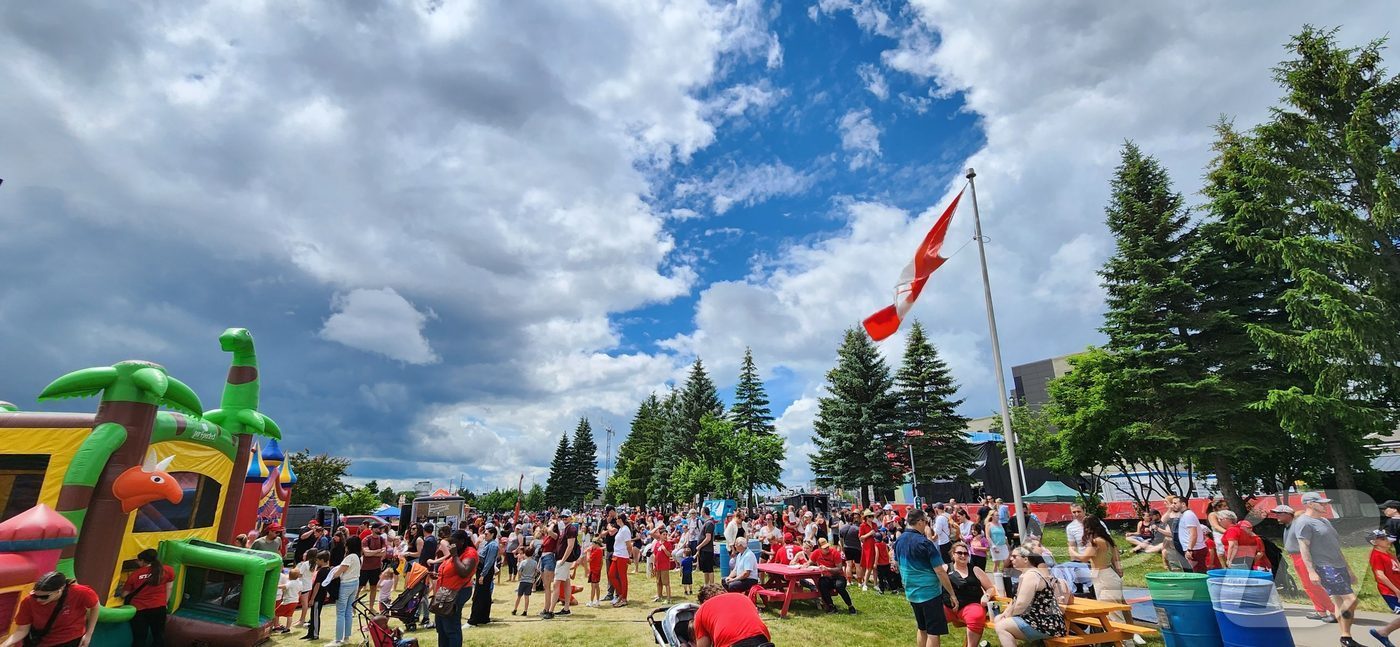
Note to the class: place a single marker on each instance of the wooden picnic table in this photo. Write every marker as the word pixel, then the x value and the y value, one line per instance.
pixel 783 582
pixel 1085 614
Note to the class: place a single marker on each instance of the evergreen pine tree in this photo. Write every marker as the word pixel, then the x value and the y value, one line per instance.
pixel 558 488
pixel 671 444
pixel 926 390
pixel 698 399
pixel 637 454
pixel 1239 292
pixel 1156 374
pixel 585 463
pixel 750 414
pixel 857 424
pixel 1325 170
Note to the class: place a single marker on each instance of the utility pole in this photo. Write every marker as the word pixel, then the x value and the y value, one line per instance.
pixel 607 458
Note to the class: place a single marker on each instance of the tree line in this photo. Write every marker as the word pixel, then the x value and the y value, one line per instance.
pixel 685 446
pixel 1257 335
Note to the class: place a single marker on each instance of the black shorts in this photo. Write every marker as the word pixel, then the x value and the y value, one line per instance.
pixel 525 588
pixel 369 577
pixel 707 560
pixel 929 617
pixel 851 554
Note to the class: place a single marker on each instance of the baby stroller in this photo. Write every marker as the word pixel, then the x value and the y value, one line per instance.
pixel 673 630
pixel 380 635
pixel 407 605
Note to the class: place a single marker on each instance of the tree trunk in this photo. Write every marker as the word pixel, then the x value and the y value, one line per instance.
pixel 1225 479
pixel 99 543
pixel 1346 481
pixel 233 493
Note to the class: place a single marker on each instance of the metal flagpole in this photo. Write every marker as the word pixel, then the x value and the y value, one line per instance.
pixel 1007 433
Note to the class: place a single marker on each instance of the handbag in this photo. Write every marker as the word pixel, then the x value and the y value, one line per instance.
pixel 126 599
pixel 444 601
pixel 32 639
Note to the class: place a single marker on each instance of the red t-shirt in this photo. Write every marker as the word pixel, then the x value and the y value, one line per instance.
pixel 373 542
pixel 882 554
pixel 71 622
pixel 785 553
pixel 365 533
pixel 152 596
pixel 728 618
pixel 1388 564
pixel 1250 546
pixel 447 573
pixel 595 560
pixel 547 544
pixel 661 555
pixel 829 557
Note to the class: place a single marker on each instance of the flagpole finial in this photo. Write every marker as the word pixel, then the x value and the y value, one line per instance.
pixel 971 173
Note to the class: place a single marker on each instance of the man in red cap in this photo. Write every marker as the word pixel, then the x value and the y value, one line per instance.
pixel 270 541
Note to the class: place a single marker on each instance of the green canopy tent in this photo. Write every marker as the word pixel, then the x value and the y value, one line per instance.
pixel 1052 492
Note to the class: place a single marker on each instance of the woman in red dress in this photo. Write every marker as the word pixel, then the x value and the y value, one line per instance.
pixel 867 549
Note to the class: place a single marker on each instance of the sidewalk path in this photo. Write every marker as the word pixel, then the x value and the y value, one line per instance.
pixel 1315 633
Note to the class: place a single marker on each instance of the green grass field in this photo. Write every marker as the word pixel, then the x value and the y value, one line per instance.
pixel 883 621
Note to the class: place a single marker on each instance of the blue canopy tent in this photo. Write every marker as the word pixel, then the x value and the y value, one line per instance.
pixel 387 512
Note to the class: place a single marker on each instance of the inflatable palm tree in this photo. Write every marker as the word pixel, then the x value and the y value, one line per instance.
pixel 238 414
pixel 131 393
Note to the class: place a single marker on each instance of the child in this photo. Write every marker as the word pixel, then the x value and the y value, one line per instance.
pixel 306 567
pixel 661 558
pixel 388 578
pixel 595 572
pixel 529 570
pixel 884 575
pixel 289 596
pixel 321 595
pixel 803 557
pixel 380 635
pixel 687 568
pixel 1386 568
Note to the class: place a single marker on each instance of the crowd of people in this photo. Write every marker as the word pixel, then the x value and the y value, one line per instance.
pixel 950 561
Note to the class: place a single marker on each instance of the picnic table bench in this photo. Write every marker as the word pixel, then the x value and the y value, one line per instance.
pixel 783 583
pixel 1087 623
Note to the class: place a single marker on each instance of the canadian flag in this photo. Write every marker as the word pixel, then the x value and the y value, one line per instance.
pixel 911 281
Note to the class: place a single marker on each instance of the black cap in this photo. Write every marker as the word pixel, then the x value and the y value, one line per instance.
pixel 50 582
pixel 1392 503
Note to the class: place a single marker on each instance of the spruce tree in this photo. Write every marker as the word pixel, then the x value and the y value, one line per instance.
pixel 698 399
pixel 637 455
pixel 585 463
pixel 926 390
pixel 857 423
pixel 671 444
pixel 750 415
pixel 1325 168
pixel 1151 312
pixel 559 488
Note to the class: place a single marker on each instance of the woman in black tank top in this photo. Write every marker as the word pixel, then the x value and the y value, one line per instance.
pixel 972 589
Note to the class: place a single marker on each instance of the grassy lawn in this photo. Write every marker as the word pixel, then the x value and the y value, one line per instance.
pixel 883 621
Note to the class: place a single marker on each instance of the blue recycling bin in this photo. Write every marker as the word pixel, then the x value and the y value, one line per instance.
pixel 1247 609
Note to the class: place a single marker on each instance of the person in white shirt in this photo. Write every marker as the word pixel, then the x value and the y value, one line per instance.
pixel 943 534
pixel 1074 534
pixel 1192 533
pixel 349 573
pixel 622 558
pixel 744 574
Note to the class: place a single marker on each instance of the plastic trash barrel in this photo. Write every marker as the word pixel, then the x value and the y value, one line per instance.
pixel 723 559
pixel 1184 612
pixel 1242 588
pixel 1248 609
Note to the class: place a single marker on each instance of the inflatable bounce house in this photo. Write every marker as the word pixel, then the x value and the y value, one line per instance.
pixel 267 489
pixel 84 493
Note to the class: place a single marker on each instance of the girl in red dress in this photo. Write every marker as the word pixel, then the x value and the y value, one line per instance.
pixel 867 549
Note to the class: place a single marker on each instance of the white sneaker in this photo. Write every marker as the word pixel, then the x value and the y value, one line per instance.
pixel 864 587
pixel 656 599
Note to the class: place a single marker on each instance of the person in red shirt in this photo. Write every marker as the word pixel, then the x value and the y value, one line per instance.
pixel 833 578
pixel 1243 548
pixel 884 573
pixel 64 612
pixel 728 620
pixel 662 563
pixel 456 573
pixel 867 549
pixel 147 590
pixel 595 572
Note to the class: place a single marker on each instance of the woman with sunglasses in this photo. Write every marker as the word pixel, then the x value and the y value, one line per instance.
pixel 973 590
pixel 1037 612
pixel 63 612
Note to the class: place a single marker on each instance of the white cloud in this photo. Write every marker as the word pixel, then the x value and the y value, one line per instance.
pixel 1056 90
pixel 746 185
pixel 867 14
pixel 752 99
pixel 874 81
pixel 380 321
pixel 860 137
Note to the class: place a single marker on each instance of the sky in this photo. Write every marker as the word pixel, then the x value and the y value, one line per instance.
pixel 454 228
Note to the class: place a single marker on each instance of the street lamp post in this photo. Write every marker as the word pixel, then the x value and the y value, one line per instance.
pixel 909 437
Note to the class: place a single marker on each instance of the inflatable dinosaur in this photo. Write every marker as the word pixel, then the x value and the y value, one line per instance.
pixel 238 414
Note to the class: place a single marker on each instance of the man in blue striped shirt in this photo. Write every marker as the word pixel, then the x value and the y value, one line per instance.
pixel 925 579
